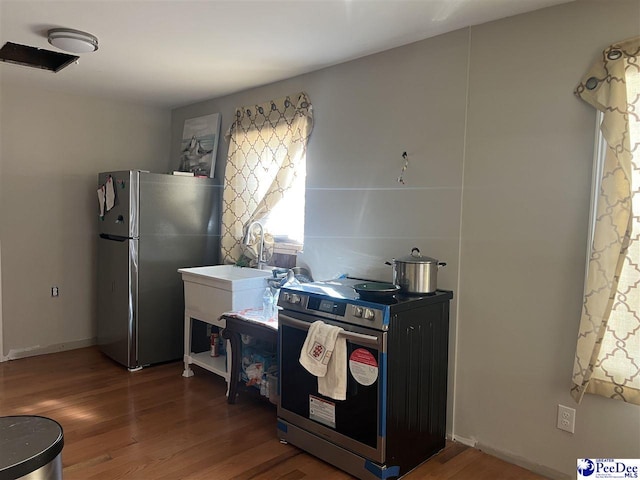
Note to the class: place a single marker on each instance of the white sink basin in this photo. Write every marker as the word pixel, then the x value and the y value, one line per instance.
pixel 226 277
pixel 212 291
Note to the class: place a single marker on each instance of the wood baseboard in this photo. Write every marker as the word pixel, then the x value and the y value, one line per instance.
pixel 36 350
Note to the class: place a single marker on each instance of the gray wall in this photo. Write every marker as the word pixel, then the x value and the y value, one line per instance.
pixel 527 183
pixel 498 186
pixel 52 146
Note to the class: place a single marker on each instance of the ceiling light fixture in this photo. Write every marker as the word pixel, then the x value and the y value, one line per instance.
pixel 73 41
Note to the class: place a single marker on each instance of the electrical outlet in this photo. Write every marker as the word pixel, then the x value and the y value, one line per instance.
pixel 566 418
pixel 55 291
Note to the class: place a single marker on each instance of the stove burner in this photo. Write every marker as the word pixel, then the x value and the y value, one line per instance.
pixel 380 299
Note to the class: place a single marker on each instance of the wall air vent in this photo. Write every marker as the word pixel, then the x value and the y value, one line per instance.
pixel 35 57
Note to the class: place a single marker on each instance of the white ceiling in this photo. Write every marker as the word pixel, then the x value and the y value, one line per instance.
pixel 176 52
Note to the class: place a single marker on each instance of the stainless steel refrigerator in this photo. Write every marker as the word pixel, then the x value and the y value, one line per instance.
pixel 157 223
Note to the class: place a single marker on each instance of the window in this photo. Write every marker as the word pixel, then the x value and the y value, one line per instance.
pixel 620 343
pixel 607 358
pixel 286 220
pixel 265 172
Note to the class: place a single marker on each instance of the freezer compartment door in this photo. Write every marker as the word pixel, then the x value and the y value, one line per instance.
pixel 118 299
pixel 122 219
pixel 176 205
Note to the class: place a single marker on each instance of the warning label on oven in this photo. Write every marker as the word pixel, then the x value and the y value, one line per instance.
pixel 322 411
pixel 363 366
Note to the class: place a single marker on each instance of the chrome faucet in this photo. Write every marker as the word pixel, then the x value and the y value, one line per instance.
pixel 247 239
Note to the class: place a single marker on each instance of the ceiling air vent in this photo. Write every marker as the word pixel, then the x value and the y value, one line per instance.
pixel 35 57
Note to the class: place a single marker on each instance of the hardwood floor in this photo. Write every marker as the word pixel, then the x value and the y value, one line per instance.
pixel 155 424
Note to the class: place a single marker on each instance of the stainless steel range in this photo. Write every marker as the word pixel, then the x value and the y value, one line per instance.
pixel 394 415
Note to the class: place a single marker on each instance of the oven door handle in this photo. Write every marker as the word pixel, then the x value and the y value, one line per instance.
pixel 359 338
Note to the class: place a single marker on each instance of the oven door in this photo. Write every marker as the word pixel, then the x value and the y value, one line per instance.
pixel 358 423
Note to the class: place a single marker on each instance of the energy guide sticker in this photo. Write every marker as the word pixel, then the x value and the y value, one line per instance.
pixel 322 411
pixel 363 366
pixel 590 469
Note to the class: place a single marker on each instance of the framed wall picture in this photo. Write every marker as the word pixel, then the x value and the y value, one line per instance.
pixel 199 145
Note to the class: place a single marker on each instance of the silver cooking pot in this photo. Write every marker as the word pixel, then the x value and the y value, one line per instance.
pixel 416 273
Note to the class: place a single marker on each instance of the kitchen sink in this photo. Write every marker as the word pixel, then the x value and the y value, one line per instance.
pixel 210 292
pixel 227 277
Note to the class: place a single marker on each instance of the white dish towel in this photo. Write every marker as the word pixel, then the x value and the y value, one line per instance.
pixel 324 354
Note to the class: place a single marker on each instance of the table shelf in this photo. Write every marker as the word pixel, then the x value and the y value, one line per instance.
pixel 217 365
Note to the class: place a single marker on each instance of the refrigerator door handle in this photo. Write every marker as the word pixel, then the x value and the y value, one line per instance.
pixel 116 238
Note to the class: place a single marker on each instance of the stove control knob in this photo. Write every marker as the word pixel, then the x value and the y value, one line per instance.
pixel 285 297
pixel 357 311
pixel 369 314
pixel 295 299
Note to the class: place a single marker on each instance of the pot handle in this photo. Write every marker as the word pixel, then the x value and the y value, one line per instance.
pixel 441 264
pixel 388 263
pixel 417 250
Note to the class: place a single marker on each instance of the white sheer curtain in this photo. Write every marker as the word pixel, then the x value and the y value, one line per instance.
pixel 607 358
pixel 267 151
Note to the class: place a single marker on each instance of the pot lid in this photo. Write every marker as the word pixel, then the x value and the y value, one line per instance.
pixel 416 257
